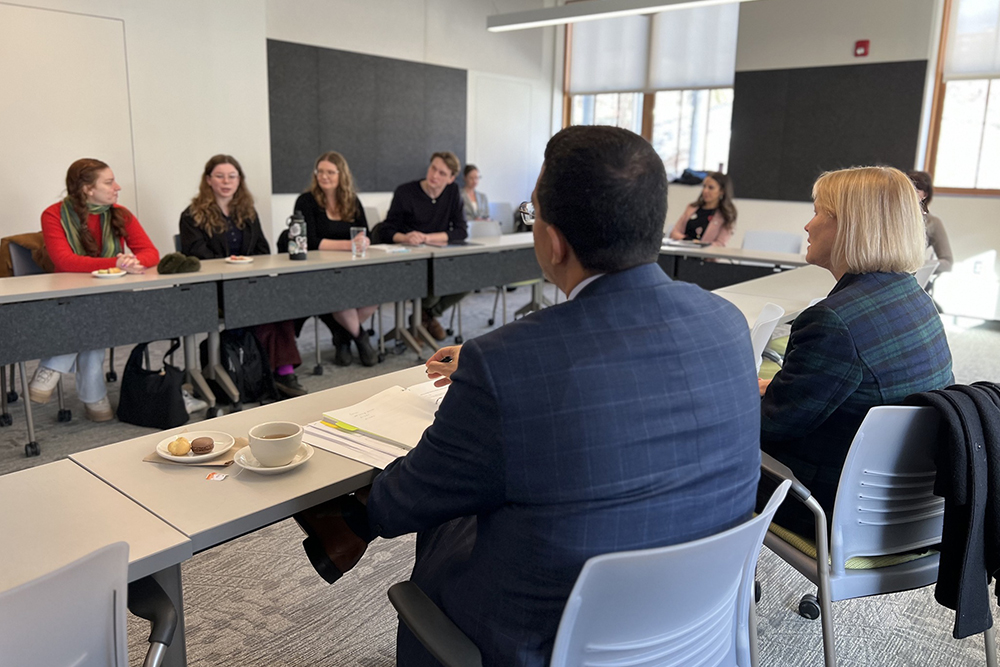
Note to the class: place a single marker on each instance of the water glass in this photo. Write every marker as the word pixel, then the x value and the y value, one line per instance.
pixel 359 242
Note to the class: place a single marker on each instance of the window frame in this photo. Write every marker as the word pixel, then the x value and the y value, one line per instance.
pixel 937 111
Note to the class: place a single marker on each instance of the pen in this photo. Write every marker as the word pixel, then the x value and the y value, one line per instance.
pixel 445 360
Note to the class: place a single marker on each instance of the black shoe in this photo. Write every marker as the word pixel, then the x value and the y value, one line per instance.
pixel 289 385
pixel 333 520
pixel 341 342
pixel 342 357
pixel 365 350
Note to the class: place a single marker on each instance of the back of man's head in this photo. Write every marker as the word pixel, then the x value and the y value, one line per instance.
pixel 605 189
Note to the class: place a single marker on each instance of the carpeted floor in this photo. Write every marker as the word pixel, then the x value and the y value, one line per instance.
pixel 256 601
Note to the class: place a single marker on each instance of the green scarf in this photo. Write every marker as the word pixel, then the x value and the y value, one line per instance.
pixel 111 244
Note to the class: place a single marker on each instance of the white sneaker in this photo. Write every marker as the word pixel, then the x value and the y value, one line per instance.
pixel 43 384
pixel 192 404
pixel 100 411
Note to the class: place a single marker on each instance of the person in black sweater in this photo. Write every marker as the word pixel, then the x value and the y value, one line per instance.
pixel 221 221
pixel 429 212
pixel 330 208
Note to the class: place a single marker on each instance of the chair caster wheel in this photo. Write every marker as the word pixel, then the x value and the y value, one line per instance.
pixel 458 340
pixel 65 415
pixel 12 397
pixel 449 331
pixel 32 449
pixel 318 369
pixel 213 412
pixel 809 607
pixel 371 332
pixel 6 419
pixel 237 406
pixel 111 376
pixel 756 591
pixel 490 321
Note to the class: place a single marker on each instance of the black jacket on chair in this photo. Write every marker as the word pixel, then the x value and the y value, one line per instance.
pixel 968 478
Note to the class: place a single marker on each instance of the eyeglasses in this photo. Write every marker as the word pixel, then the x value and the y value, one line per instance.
pixel 325 172
pixel 527 212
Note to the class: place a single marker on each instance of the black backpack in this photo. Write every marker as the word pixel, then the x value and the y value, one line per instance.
pixel 247 364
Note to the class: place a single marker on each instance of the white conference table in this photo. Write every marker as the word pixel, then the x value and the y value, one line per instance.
pixel 805 284
pixel 736 254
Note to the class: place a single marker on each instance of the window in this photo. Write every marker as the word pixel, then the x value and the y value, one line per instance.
pixel 965 142
pixel 619 109
pixel 668 77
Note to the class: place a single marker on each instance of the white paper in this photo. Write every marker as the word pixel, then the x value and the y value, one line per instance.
pixel 428 391
pixel 355 447
pixel 395 413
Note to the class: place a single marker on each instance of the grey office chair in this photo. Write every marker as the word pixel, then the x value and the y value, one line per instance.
pixel 885 518
pixel 616 614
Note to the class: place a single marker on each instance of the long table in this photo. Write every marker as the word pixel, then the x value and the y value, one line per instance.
pixel 713 267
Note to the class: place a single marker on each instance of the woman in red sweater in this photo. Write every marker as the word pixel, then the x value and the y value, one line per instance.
pixel 85 232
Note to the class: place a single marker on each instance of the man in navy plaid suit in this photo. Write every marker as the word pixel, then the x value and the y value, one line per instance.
pixel 624 418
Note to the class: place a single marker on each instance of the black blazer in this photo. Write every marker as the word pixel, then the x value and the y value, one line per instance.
pixel 196 242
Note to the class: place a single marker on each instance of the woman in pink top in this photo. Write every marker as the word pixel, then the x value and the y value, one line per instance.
pixel 712 218
pixel 88 231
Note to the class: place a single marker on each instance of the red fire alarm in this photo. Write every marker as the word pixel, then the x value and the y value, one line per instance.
pixel 861 48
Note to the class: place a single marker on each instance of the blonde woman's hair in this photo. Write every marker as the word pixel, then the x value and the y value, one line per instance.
pixel 344 195
pixel 880 226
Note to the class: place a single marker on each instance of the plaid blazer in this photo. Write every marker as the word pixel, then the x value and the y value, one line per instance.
pixel 876 339
pixel 624 419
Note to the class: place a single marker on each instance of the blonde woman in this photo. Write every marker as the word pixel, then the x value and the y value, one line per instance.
pixel 330 208
pixel 874 340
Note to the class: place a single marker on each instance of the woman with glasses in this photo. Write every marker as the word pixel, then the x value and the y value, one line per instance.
pixel 222 221
pixel 937 236
pixel 88 232
pixel 331 208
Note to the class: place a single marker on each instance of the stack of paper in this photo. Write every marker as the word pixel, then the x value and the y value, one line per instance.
pixel 380 429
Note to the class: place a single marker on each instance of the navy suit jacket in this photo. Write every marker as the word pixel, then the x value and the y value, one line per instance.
pixel 624 419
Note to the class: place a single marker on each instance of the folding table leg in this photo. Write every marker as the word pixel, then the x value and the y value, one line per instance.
pixel 30 449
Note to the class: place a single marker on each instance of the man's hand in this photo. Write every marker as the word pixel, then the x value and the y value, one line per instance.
pixel 438 368
pixel 410 238
pixel 762 385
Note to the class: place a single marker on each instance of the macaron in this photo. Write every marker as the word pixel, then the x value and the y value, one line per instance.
pixel 202 445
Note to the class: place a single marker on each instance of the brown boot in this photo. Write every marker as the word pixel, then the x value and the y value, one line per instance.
pixel 433 327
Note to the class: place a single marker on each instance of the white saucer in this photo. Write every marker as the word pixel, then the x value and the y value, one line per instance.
pixel 120 274
pixel 223 443
pixel 245 459
pixel 241 260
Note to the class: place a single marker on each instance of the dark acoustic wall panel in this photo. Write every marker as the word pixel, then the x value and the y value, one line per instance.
pixel 385 116
pixel 791 125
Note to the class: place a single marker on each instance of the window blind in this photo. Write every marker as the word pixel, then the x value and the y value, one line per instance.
pixel 673 50
pixel 973 50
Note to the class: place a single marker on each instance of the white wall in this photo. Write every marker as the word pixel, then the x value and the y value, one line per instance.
pixel 781 34
pixel 197 85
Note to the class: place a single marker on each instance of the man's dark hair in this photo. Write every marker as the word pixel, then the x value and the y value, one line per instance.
pixel 605 189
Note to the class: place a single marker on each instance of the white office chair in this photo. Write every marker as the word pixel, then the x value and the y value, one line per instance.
pixel 774 241
pixel 504 213
pixel 768 319
pixel 616 613
pixel 82 603
pixel 885 510
pixel 926 272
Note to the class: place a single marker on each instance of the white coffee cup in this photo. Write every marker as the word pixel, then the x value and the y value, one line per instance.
pixel 275 443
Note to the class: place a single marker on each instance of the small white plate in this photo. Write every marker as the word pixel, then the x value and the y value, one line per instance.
pixel 223 443
pixel 239 260
pixel 245 459
pixel 120 274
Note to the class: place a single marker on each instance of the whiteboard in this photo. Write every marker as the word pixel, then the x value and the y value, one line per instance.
pixel 65 96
